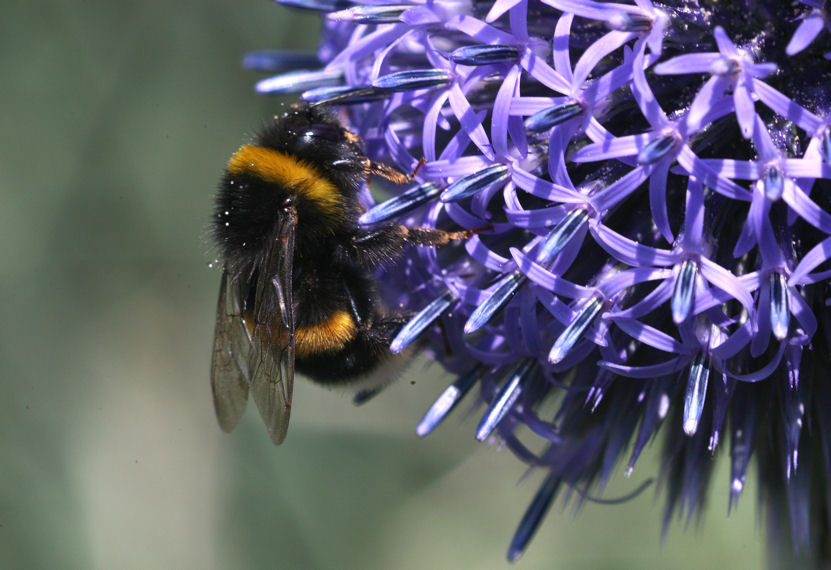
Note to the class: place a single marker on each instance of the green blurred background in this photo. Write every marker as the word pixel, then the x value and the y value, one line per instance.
pixel 117 120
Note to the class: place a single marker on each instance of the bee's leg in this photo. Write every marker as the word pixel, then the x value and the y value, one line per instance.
pixel 391 173
pixel 353 307
pixel 384 243
pixel 375 246
pixel 431 236
pixel 353 138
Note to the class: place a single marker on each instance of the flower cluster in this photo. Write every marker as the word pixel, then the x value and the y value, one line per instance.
pixel 649 187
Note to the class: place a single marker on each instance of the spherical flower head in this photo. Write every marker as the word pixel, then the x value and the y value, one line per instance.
pixel 648 191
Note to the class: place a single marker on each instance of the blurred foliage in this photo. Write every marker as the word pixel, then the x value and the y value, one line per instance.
pixel 118 119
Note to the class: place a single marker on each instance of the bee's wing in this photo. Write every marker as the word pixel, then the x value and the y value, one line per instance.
pixel 272 356
pixel 229 365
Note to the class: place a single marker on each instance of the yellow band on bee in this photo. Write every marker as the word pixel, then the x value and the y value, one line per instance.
pixel 325 336
pixel 280 168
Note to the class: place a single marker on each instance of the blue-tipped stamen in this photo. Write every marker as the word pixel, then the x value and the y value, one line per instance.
pixel 780 315
pixel 774 184
pixel 533 516
pixel 474 183
pixel 683 293
pixel 421 321
pixel 277 60
pixel 342 95
pixel 575 329
pixel 412 80
pixel 696 392
pixel 363 396
pixel 509 284
pixel 299 81
pixel 382 14
pixel 448 400
pixel 504 400
pixel 484 54
pixel 629 22
pixel 560 235
pixel 505 289
pixel 317 5
pixel 825 146
pixel 401 204
pixel 656 149
pixel 553 116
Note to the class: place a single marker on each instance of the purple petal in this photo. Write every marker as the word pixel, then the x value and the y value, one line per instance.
pixel 728 282
pixel 609 82
pixel 545 278
pixel 745 109
pixel 658 201
pixel 499 123
pixel 596 52
pixel 650 335
pixel 786 107
pixel 544 73
pixel 418 16
pixel 652 371
pixel 729 168
pixel 725 45
pixel 612 148
pixel 735 342
pixel 749 236
pixel 764 372
pixel 687 63
pixel 518 18
pixel 649 303
pixel 808 29
pixel 694 215
pixel 469 120
pixel 368 44
pixel 698 168
pixel 560 55
pixel 630 277
pixel 500 7
pixel 807 209
pixel 643 94
pixel 802 311
pixel 480 252
pixel 479 30
pixel 431 122
pixel 818 255
pixel 807 168
pixel 454 168
pixel 631 252
pixel 545 189
pixel 620 188
pixel 761 339
pixel 603 11
pixel 711 91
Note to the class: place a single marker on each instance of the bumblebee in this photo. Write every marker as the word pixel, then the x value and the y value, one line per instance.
pixel 296 290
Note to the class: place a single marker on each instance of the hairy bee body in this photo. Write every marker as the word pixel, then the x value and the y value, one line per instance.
pixel 296 287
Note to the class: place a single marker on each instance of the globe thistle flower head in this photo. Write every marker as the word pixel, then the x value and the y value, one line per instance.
pixel 647 191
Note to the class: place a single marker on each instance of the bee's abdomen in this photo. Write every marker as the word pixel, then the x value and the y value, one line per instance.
pixel 326 336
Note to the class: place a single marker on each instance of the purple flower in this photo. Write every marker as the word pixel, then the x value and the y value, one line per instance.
pixel 650 187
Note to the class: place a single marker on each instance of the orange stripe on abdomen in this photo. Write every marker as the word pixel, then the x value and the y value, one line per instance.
pixel 326 336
